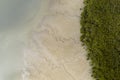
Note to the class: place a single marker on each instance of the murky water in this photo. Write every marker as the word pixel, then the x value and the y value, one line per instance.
pixel 14 12
pixel 14 17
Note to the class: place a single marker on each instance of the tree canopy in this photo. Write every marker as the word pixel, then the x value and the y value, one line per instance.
pixel 100 21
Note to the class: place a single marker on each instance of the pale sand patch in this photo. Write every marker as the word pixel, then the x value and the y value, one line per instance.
pixel 54 50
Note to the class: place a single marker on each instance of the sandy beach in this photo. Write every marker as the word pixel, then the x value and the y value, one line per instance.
pixel 54 50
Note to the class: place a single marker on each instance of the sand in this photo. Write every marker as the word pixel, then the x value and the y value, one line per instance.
pixel 54 50
pixel 43 44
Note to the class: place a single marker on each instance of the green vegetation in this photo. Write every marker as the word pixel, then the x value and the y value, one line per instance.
pixel 101 35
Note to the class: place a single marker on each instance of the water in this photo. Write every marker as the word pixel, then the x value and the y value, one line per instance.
pixel 14 17
pixel 14 12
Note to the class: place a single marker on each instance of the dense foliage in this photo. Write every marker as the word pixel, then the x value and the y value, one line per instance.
pixel 101 35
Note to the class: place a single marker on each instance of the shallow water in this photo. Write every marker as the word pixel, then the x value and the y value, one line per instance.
pixel 14 12
pixel 14 17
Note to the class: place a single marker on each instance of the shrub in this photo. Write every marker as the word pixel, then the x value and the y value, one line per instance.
pixel 100 30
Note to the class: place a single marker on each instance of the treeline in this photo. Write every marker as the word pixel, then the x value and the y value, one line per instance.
pixel 100 21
